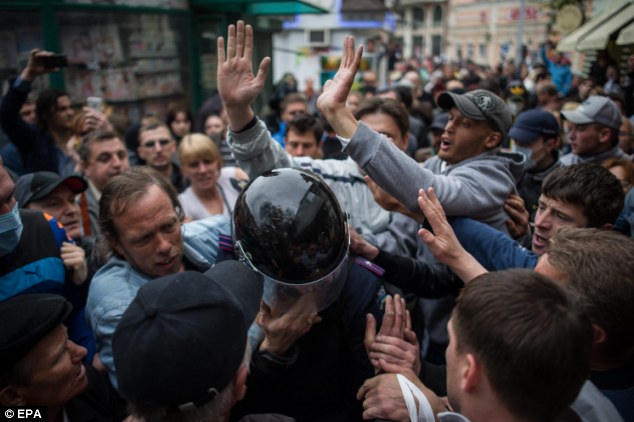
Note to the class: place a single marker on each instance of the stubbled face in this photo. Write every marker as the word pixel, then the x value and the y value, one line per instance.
pixel 553 215
pixel 157 148
pixel 292 110
pixel 463 138
pixel 386 125
pixel 181 125
pixel 150 236
pixel 107 159
pixel 61 204
pixel 302 144
pixel 56 373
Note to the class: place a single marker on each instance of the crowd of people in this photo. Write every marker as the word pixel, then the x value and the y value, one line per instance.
pixel 456 245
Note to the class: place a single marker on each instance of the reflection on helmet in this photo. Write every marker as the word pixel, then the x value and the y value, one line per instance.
pixel 290 227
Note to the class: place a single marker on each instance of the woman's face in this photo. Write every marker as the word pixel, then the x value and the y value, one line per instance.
pixel 181 126
pixel 202 173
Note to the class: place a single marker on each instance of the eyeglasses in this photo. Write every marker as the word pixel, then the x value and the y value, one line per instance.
pixel 162 142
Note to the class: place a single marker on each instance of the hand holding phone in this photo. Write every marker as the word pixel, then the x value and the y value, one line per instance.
pixel 53 61
pixel 96 103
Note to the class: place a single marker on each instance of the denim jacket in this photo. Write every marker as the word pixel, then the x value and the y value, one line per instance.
pixel 115 285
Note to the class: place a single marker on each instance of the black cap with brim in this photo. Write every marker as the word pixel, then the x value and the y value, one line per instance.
pixel 183 337
pixel 35 186
pixel 26 320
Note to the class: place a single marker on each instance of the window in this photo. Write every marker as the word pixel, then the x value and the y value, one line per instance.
pixel 419 18
pixel 438 16
pixel 436 44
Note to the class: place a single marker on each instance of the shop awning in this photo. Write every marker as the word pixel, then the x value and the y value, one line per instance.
pixel 598 39
pixel 626 36
pixel 571 41
pixel 265 7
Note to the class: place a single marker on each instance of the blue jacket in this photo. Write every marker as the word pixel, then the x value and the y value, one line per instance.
pixel 35 266
pixel 115 285
pixel 494 250
pixel 561 74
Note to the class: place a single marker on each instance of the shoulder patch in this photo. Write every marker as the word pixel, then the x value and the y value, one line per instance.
pixel 370 266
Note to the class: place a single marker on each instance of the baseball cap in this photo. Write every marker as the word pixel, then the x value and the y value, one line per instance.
pixel 439 121
pixel 183 337
pixel 27 319
pixel 479 104
pixel 34 186
pixel 595 109
pixel 532 124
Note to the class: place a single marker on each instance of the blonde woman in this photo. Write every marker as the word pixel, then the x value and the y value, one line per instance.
pixel 214 188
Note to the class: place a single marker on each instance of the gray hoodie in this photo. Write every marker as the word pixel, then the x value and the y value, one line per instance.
pixel 476 187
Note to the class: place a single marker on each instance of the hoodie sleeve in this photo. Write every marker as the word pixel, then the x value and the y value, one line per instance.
pixel 477 190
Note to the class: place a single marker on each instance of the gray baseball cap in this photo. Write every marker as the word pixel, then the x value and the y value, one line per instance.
pixel 480 104
pixel 595 109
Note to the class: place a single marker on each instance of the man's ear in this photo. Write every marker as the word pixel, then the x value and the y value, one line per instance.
pixel 471 372
pixel 493 140
pixel 9 396
pixel 240 383
pixel 605 135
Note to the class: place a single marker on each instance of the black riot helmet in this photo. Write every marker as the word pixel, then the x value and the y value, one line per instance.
pixel 290 228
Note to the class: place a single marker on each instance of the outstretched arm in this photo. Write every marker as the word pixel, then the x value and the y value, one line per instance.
pixel 238 86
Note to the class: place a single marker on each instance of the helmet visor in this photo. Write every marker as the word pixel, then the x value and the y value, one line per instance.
pixel 315 296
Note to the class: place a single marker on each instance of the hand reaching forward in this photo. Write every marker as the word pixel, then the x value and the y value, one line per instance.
pixel 237 85
pixel 443 243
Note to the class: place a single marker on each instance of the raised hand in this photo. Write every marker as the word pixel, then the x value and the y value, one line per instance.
pixel 395 342
pixel 74 259
pixel 238 86
pixel 332 101
pixel 34 67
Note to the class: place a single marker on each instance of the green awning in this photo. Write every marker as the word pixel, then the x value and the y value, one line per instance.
pixel 572 40
pixel 598 39
pixel 264 7
pixel 626 36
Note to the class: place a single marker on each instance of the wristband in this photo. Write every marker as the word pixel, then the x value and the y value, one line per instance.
pixel 249 125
